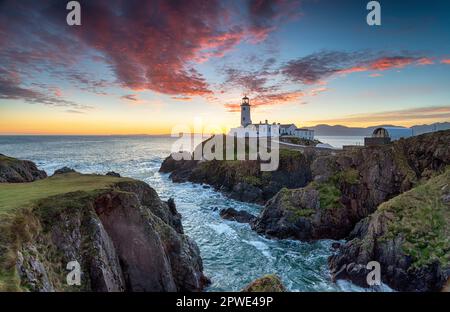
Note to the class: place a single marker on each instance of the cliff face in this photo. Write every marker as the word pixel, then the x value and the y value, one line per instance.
pixel 349 186
pixel 122 235
pixel 408 236
pixel 243 180
pixel 16 171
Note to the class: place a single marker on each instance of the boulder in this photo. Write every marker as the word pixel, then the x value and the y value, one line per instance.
pixel 113 174
pixel 64 170
pixel 238 216
pixel 268 283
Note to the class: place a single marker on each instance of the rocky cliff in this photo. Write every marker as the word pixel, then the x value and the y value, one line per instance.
pixel 243 180
pixel 123 236
pixel 13 170
pixel 408 235
pixel 349 186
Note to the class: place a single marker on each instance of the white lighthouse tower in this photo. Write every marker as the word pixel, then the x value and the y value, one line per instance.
pixel 245 112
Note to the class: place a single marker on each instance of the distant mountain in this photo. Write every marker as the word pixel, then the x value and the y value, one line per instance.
pixel 430 128
pixel 338 130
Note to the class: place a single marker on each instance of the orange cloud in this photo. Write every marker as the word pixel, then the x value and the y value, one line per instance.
pixel 391 62
pixel 447 61
pixel 316 91
pixel 354 69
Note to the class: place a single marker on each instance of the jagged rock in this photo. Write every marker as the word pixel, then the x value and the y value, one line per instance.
pixel 13 170
pixel 297 214
pixel 122 235
pixel 64 170
pixel 268 283
pixel 246 192
pixel 350 185
pixel 243 180
pixel 407 235
pixel 113 174
pixel 235 215
pixel 336 245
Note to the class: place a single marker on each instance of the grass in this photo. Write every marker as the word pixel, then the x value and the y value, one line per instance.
pixel 330 191
pixel 27 208
pixel 422 218
pixel 295 212
pixel 7 160
pixel 19 195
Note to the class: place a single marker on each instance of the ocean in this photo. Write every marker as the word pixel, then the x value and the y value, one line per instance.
pixel 233 254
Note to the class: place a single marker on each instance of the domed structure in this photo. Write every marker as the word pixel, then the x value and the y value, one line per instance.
pixel 380 133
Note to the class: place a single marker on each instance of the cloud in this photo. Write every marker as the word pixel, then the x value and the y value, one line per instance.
pixel 421 113
pixel 73 111
pixel 130 97
pixel 11 88
pixel 316 67
pixel 182 98
pixel 385 63
pixel 446 61
pixel 148 45
pixel 316 91
pixel 281 98
pixel 312 68
pixel 158 49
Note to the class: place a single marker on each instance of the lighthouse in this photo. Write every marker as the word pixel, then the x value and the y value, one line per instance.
pixel 245 112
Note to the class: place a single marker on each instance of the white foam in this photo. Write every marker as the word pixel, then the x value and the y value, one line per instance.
pixel 222 229
pixel 262 247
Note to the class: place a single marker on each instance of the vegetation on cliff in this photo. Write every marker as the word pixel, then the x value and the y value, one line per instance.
pixel 408 235
pixel 124 237
pixel 422 218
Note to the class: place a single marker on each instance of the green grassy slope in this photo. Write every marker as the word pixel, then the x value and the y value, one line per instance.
pixel 422 217
pixel 20 195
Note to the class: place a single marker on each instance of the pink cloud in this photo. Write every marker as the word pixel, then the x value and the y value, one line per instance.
pixel 269 100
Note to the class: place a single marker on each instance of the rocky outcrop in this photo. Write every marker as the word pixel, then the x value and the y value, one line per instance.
pixel 408 236
pixel 296 214
pixel 63 170
pixel 113 174
pixel 243 180
pixel 121 234
pixel 13 170
pixel 350 185
pixel 268 283
pixel 236 215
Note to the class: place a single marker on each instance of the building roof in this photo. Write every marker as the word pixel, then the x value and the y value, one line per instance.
pixel 287 126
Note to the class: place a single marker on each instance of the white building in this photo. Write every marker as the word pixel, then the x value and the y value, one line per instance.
pixel 288 129
pixel 305 134
pixel 249 129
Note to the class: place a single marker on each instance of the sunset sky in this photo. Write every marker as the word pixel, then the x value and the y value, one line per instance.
pixel 136 67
